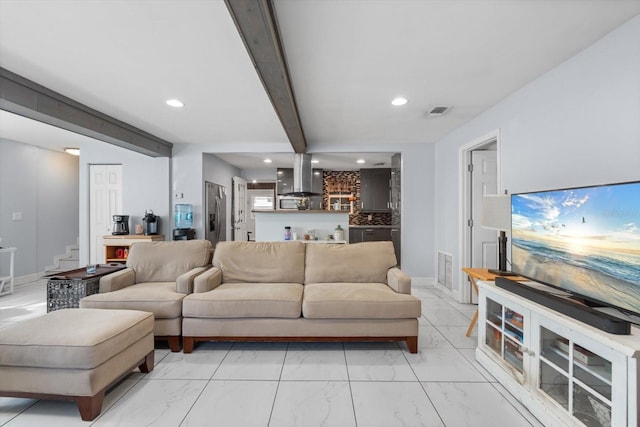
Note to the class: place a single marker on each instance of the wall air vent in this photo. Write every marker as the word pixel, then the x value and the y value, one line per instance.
pixel 438 111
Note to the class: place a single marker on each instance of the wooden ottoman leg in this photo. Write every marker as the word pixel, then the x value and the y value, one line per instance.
pixel 147 364
pixel 90 406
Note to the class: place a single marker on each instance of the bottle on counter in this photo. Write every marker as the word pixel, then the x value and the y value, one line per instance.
pixel 338 233
pixel 287 233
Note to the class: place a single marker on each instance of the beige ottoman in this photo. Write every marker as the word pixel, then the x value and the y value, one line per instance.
pixel 74 354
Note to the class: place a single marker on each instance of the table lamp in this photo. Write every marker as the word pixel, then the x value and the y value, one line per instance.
pixel 496 215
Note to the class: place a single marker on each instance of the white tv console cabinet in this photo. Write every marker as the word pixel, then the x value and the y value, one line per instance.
pixel 564 371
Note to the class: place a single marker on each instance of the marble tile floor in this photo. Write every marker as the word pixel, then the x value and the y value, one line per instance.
pixel 295 384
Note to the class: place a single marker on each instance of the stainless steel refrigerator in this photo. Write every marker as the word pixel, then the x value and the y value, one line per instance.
pixel 216 213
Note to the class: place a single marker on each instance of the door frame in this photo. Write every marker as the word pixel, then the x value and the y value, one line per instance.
pixel 464 155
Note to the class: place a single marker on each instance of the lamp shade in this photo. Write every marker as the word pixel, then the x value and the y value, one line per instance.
pixel 496 212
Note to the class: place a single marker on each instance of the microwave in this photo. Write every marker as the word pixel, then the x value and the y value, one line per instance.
pixel 288 202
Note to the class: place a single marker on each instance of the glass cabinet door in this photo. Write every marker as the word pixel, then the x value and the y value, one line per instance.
pixel 579 380
pixel 504 333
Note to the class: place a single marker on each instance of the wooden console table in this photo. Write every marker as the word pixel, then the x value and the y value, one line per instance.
pixel 116 247
pixel 481 274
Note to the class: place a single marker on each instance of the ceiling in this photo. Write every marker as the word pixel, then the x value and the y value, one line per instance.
pixel 347 61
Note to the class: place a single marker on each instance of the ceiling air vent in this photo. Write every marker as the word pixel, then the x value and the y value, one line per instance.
pixel 438 111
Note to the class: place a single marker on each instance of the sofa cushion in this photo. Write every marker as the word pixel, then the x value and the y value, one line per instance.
pixel 159 298
pixel 72 338
pixel 165 261
pixel 357 301
pixel 237 300
pixel 260 262
pixel 358 263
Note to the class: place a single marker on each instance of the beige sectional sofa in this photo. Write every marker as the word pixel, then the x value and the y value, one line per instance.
pixel 292 291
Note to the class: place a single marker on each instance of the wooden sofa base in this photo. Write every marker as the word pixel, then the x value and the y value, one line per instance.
pixel 189 342
pixel 173 340
pixel 89 406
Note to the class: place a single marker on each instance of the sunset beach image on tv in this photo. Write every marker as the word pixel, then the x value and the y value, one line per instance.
pixel 584 240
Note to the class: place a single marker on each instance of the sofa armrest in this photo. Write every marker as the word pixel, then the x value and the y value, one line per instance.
pixel 207 281
pixel 184 282
pixel 118 280
pixel 399 281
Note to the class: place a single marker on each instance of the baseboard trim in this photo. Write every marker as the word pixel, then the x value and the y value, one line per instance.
pixel 423 282
pixel 29 278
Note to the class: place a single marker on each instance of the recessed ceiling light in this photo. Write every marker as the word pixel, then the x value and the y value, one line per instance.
pixel 399 101
pixel 315 161
pixel 175 103
pixel 72 151
pixel 361 161
pixel 255 181
pixel 267 160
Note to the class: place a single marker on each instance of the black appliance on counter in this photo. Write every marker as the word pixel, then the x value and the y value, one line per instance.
pixel 150 223
pixel 184 234
pixel 120 225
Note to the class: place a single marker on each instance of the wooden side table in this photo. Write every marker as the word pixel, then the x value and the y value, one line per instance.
pixel 66 289
pixel 481 274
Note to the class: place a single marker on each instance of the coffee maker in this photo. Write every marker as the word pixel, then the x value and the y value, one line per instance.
pixel 150 222
pixel 120 225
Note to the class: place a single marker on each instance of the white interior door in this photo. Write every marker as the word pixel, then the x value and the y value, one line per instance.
pixel 239 209
pixel 484 180
pixel 105 200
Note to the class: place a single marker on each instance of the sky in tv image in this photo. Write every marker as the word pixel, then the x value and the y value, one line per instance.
pixel 585 240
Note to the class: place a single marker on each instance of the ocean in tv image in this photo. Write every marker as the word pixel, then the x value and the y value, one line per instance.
pixel 584 240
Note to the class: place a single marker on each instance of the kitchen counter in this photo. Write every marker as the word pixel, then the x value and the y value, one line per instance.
pixel 372 226
pixel 295 211
pixel 270 224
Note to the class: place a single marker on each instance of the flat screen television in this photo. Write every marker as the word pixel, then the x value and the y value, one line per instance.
pixel 585 241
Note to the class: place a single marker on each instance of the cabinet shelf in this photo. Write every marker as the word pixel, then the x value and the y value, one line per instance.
pixel 599 372
pixel 113 243
pixel 344 201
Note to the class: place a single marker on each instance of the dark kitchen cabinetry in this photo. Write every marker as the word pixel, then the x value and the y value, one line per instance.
pixel 284 181
pixel 375 190
pixel 357 235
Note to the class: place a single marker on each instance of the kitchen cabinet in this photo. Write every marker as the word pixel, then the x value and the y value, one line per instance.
pixel 564 371
pixel 372 234
pixel 375 190
pixel 284 180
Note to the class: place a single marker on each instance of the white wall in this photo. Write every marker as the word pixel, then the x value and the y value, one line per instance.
pixel 42 185
pixel 417 233
pixel 260 175
pixel 193 164
pixel 146 185
pixel 578 124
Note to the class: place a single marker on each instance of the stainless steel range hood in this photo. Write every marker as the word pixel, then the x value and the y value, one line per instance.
pixel 302 175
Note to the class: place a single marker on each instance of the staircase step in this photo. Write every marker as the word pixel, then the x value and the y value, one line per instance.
pixel 68 263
